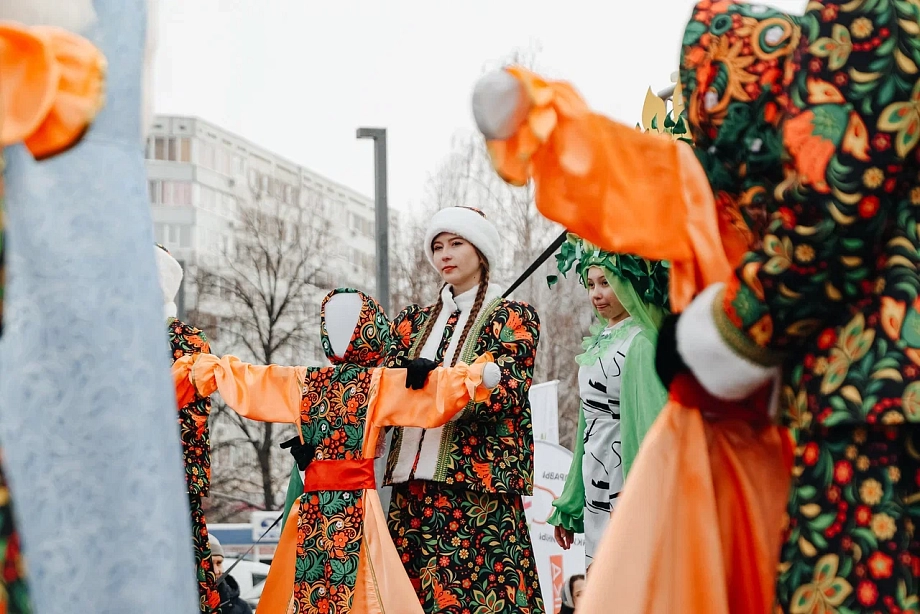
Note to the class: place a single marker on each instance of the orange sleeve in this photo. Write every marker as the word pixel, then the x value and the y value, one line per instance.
pixel 610 184
pixel 53 87
pixel 445 394
pixel 269 393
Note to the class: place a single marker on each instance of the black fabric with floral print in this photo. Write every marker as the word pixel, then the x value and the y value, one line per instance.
pixel 14 589
pixel 463 537
pixel 807 128
pixel 851 544
pixel 185 340
pixel 463 549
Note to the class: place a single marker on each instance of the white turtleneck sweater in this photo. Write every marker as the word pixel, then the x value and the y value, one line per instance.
pixel 431 443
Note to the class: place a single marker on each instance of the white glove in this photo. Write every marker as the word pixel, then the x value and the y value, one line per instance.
pixel 491 375
pixel 500 105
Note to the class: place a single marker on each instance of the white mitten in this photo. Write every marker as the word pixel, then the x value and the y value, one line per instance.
pixel 500 105
pixel 491 375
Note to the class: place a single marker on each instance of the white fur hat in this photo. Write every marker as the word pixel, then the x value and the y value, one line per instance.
pixel 469 223
pixel 170 273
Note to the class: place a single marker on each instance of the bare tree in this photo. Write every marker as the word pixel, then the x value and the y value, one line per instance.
pixel 264 295
pixel 413 280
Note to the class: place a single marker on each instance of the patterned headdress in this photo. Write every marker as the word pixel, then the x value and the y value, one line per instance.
pixel 649 278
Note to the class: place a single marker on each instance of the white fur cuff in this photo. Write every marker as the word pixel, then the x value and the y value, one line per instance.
pixel 717 367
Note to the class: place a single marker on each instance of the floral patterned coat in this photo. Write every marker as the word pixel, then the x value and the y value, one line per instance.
pixel 817 119
pixel 805 129
pixel 490 448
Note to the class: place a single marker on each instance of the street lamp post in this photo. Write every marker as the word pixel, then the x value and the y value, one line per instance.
pixel 379 135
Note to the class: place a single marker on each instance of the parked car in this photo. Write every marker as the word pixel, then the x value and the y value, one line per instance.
pixel 250 575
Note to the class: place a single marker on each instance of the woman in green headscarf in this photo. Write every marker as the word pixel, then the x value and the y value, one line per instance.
pixel 620 392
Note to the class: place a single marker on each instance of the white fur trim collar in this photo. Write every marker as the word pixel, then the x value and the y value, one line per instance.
pixel 721 371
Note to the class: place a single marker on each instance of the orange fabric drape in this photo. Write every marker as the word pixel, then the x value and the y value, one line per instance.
pixel 382 585
pixel 610 184
pixel 278 591
pixel 446 392
pixel 699 526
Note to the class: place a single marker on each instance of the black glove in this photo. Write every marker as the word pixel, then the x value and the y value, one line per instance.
pixel 668 361
pixel 417 372
pixel 302 453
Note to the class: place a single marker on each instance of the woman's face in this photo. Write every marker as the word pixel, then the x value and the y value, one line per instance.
pixel 602 296
pixel 457 261
pixel 578 588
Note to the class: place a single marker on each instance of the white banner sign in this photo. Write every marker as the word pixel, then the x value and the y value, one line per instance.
pixel 554 565
pixel 544 405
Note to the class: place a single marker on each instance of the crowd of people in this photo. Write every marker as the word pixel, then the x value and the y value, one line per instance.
pixel 748 394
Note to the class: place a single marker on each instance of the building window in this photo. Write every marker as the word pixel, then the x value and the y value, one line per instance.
pixel 208 198
pixel 171 149
pixel 228 205
pixel 182 193
pixel 155 191
pixel 207 155
pixel 223 161
pixel 253 179
pixel 170 192
pixel 172 236
pixel 185 237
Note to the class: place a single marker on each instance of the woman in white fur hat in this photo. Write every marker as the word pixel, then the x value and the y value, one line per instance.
pixel 456 513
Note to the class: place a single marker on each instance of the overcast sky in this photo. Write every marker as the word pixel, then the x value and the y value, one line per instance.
pixel 299 76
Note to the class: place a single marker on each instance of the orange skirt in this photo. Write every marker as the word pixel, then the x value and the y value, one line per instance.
pixel 699 525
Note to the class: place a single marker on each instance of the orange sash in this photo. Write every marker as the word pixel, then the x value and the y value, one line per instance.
pixel 340 475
